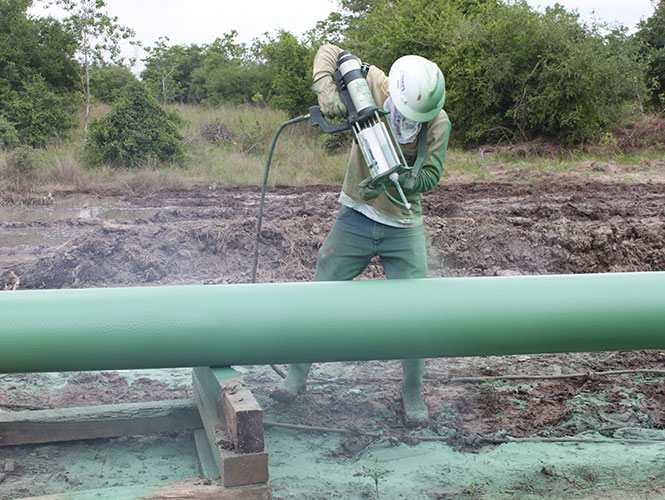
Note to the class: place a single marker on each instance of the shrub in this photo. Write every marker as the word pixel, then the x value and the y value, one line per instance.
pixel 107 82
pixel 290 65
pixel 512 73
pixel 8 136
pixel 216 132
pixel 650 36
pixel 22 164
pixel 38 83
pixel 336 143
pixel 38 114
pixel 136 131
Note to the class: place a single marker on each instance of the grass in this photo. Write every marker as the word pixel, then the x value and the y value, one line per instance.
pixel 228 146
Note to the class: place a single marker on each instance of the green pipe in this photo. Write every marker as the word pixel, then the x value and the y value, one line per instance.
pixel 218 325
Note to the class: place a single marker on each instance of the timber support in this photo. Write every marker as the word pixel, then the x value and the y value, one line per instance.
pixel 224 416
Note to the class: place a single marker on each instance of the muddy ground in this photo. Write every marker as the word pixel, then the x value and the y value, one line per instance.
pixel 550 225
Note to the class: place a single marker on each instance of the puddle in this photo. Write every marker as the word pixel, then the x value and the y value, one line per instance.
pixel 76 208
pixel 32 225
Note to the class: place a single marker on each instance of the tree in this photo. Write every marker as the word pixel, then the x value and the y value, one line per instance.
pixel 231 73
pixel 107 82
pixel 161 63
pixel 651 36
pixel 513 74
pixel 172 72
pixel 289 63
pixel 136 131
pixel 97 37
pixel 37 79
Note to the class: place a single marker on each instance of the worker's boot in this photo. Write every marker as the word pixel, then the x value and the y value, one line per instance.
pixel 415 411
pixel 292 384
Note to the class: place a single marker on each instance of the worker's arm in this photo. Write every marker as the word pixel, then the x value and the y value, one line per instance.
pixel 325 65
pixel 325 61
pixel 438 133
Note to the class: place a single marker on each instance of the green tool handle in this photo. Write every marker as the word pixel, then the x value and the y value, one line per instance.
pixel 402 201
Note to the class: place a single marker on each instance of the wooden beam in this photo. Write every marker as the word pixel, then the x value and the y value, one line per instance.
pixel 200 489
pixel 228 398
pixel 242 417
pixel 240 469
pixel 103 421
pixel 207 465
pixel 206 395
pixel 236 468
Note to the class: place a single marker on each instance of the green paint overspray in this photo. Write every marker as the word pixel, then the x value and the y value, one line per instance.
pixel 300 468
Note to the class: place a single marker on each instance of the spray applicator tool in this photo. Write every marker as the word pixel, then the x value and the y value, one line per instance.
pixel 376 140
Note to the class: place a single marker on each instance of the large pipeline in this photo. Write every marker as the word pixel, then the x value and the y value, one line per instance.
pixel 220 325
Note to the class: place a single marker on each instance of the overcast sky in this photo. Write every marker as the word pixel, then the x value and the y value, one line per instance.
pixel 201 21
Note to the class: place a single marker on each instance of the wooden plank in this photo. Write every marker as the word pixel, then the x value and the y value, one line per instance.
pixel 201 489
pixel 235 468
pixel 242 416
pixel 207 381
pixel 103 421
pixel 207 465
pixel 239 469
pixel 223 393
pixel 206 392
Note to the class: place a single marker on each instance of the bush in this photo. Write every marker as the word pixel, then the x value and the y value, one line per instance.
pixel 38 83
pixel 336 143
pixel 38 115
pixel 107 83
pixel 22 165
pixel 513 74
pixel 216 132
pixel 136 131
pixel 8 135
pixel 650 36
pixel 290 66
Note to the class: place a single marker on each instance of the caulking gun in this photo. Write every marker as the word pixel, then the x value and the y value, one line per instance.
pixel 380 149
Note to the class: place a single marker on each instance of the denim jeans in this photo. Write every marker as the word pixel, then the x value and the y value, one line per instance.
pixel 355 239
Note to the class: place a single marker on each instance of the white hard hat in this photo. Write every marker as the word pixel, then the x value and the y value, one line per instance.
pixel 417 87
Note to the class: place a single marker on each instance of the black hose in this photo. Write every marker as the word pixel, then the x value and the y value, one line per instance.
pixel 263 190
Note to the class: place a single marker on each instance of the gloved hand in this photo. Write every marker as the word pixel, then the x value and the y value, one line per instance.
pixel 329 101
pixel 369 191
pixel 407 182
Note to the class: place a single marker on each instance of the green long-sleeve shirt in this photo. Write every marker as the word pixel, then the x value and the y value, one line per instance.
pixel 382 208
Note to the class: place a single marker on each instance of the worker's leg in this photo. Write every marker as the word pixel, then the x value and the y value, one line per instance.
pixel 403 252
pixel 343 256
pixel 293 383
pixel 415 410
pixel 348 248
pixel 404 255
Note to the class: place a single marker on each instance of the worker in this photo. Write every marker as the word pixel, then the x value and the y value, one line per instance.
pixel 369 222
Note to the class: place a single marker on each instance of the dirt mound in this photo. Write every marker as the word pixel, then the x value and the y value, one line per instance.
pixel 494 228
pixel 648 133
pixel 474 229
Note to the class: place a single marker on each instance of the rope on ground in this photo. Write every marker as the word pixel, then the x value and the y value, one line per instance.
pixel 312 428
pixel 476 441
pixel 550 377
pixel 508 439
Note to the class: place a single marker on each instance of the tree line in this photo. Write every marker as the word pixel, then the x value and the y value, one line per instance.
pixel 512 73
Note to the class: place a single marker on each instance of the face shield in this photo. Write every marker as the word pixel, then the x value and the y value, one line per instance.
pixel 405 130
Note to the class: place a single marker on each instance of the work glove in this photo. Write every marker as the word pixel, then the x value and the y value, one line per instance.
pixel 329 101
pixel 369 191
pixel 407 181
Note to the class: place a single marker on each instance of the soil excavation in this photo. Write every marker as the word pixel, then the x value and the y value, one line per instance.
pixel 550 224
